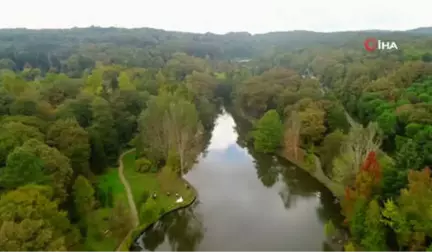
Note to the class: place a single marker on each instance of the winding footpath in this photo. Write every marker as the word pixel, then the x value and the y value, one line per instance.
pixel 132 206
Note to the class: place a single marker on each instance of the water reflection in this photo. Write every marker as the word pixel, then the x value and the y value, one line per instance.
pixel 267 169
pixel 223 135
pixel 247 201
pixel 182 229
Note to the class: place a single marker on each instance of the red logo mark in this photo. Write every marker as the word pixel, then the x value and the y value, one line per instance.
pixel 371 44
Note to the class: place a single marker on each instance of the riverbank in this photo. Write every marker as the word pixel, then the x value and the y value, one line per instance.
pixel 151 183
pixel 315 170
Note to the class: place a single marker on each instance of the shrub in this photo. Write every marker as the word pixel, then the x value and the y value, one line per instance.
pixel 143 165
pixel 144 197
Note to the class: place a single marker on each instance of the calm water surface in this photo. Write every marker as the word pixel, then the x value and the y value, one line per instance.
pixel 246 201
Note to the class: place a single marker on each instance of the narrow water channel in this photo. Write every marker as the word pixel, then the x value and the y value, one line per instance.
pixel 246 201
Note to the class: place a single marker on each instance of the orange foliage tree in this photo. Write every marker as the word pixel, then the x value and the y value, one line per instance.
pixel 367 180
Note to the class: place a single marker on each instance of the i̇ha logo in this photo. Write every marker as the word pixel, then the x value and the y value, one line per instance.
pixel 372 44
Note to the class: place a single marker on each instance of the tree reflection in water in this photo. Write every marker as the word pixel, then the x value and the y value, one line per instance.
pixel 267 168
pixel 183 229
pixel 271 170
pixel 296 184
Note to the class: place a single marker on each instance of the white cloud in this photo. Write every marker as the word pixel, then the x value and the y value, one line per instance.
pixel 223 134
pixel 256 16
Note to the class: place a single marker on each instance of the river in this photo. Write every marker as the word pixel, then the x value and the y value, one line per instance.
pixel 246 201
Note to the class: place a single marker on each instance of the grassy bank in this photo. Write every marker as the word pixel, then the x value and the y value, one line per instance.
pixel 317 172
pixel 97 238
pixel 142 183
pixel 149 183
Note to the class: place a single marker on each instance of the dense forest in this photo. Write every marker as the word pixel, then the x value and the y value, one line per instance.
pixel 71 101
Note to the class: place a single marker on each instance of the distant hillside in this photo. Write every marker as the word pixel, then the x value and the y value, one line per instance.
pixel 422 30
pixel 147 47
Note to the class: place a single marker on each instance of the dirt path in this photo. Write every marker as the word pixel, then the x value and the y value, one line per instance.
pixel 132 206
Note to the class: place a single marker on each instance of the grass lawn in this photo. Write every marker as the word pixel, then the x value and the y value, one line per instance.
pixel 97 239
pixel 111 179
pixel 151 183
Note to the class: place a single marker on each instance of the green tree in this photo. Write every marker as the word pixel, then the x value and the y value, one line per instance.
pixel 357 221
pixel 154 138
pixel 375 236
pixel 336 119
pixel 6 63
pixel 103 123
pixel 31 121
pixel 73 141
pixel 410 217
pixel 55 165
pixel 14 134
pixel 98 158
pixel 22 167
pixel 388 122
pixel 30 220
pixel 94 82
pixel 202 84
pixel 268 132
pixel 124 82
pixel 312 121
pixel 408 156
pixel 396 177
pixel 79 109
pixel 84 200
pixel 185 130
pixel 6 100
pixel 331 148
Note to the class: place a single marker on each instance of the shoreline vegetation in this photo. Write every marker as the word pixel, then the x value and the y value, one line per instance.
pixel 316 171
pixel 313 168
pixel 165 204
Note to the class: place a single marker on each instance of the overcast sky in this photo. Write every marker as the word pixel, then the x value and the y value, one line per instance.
pixel 219 16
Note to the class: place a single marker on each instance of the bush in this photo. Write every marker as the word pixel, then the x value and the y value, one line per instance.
pixel 144 197
pixel 143 165
pixel 310 162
